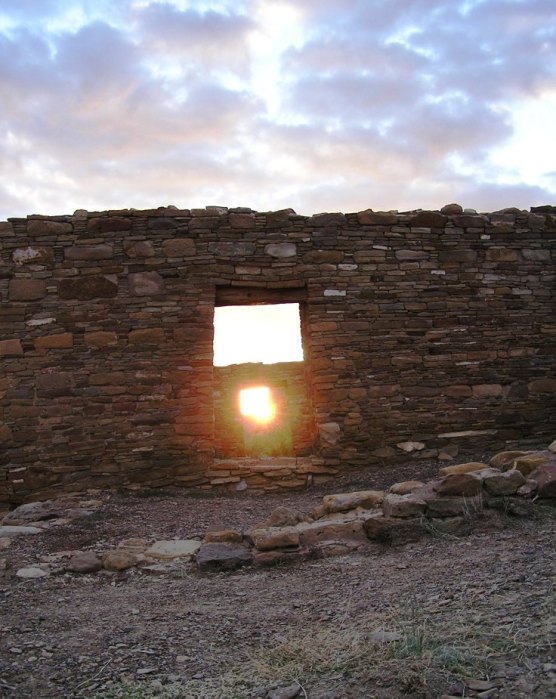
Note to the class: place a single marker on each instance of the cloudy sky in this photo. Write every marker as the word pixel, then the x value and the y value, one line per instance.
pixel 318 105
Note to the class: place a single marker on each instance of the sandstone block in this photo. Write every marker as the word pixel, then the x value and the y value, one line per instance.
pixel 232 249
pixel 138 248
pixel 462 468
pixel 487 390
pixel 405 487
pixel 505 459
pixel 411 255
pixel 146 284
pixel 463 484
pixel 89 252
pixel 222 556
pixel 119 560
pixel 410 446
pixel 377 218
pixel 101 338
pixel 528 463
pixel 317 533
pixel 179 247
pixel 87 288
pixel 146 336
pixel 244 221
pixel 108 224
pixel 43 227
pixel 343 502
pixel 223 536
pixel 281 250
pixel 274 538
pixel 5 434
pixel 428 219
pixel 54 384
pixel 326 219
pixel 457 255
pixel 545 478
pixel 403 505
pixel 175 548
pixel 284 517
pixel 11 348
pixel 324 256
pixel 502 255
pixel 33 255
pixel 543 386
pixel 26 289
pixel 58 341
pixel 329 432
pixel 84 562
pixel 506 483
pixel 451 209
pixel 272 558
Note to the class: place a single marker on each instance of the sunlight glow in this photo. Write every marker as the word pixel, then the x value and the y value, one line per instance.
pixel 267 334
pixel 257 404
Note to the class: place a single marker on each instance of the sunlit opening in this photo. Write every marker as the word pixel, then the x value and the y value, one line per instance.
pixel 266 333
pixel 256 404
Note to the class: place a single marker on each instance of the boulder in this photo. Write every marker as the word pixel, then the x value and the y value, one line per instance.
pixel 405 487
pixel 342 502
pixel 533 460
pixel 84 562
pixel 323 530
pixel 463 484
pixel 505 459
pixel 222 536
pixel 9 530
pixel 174 548
pixel 545 478
pixel 274 538
pixel 462 468
pixel 119 560
pixel 505 483
pixel 222 556
pixel 403 506
pixel 284 517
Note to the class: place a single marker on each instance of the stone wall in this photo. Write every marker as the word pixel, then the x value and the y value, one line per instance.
pixel 421 329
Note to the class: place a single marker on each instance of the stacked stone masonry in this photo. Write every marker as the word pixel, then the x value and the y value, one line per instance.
pixel 423 329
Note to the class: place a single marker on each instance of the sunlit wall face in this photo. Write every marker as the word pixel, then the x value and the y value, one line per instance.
pixel 266 333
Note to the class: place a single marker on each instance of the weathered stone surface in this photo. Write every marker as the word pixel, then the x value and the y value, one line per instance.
pixel 468 467
pixel 403 505
pixel 138 248
pixel 329 432
pixel 108 224
pixel 102 251
pixel 405 487
pixel 146 336
pixel 6 434
pixel 324 256
pixel 342 502
pixel 11 348
pixel 505 483
pixel 464 484
pixel 179 247
pixel 119 560
pixel 26 289
pixel 101 338
pixel 284 517
pixel 9 531
pixel 376 218
pixel 146 284
pixel 281 250
pixel 394 531
pixel 543 386
pixel 31 573
pixel 411 255
pixel 221 536
pixel 87 288
pixel 175 548
pixel 53 384
pixel 505 459
pixel 274 538
pixel 451 209
pixel 222 556
pixel 232 249
pixel 57 341
pixel 40 227
pixel 410 446
pixel 316 533
pixel 428 219
pixel 545 478
pixel 33 255
pixel 84 562
pixel 242 221
pixel 528 463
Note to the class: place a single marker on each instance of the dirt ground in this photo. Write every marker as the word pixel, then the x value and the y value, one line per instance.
pixel 445 616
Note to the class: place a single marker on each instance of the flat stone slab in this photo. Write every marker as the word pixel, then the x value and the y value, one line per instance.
pixel 31 572
pixel 9 530
pixel 174 548
pixel 213 557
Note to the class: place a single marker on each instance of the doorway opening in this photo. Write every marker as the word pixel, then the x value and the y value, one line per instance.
pixel 262 402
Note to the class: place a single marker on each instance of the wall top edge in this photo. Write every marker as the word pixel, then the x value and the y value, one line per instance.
pixel 372 216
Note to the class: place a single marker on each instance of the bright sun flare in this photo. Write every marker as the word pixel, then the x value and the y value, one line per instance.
pixel 257 404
